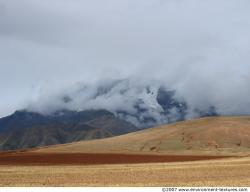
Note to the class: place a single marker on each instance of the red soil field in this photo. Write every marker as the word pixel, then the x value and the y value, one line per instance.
pixel 29 158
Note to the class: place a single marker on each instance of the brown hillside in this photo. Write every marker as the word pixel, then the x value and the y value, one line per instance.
pixel 211 136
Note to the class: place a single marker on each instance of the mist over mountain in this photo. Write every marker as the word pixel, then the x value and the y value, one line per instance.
pixel 93 111
pixel 57 54
pixel 140 103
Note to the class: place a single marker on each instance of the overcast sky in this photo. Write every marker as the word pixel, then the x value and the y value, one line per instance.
pixel 199 47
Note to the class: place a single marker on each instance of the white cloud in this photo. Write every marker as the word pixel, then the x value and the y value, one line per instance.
pixel 200 48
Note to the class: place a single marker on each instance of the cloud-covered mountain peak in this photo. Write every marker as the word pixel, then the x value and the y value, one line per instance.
pixel 140 102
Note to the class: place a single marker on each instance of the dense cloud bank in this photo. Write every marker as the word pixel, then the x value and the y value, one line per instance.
pixel 199 49
pixel 139 101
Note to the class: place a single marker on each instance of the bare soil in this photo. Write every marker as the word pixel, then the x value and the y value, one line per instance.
pixel 35 158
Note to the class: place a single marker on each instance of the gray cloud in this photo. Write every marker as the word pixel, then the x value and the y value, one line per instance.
pixel 199 48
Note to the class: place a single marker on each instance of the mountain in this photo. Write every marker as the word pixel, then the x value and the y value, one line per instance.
pixel 145 104
pixel 207 136
pixel 105 110
pixel 26 129
pixel 23 119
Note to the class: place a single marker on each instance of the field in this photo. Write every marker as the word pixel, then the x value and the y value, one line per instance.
pixel 203 152
pixel 219 172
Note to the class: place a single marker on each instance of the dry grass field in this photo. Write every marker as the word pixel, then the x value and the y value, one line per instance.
pixel 205 136
pixel 202 152
pixel 223 172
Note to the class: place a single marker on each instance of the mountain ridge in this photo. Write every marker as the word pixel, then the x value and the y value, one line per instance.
pixel 39 130
pixel 151 106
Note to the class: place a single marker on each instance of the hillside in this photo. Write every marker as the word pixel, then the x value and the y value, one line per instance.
pixel 213 135
pixel 26 129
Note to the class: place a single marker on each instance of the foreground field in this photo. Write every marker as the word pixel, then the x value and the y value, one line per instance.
pixel 202 152
pixel 223 172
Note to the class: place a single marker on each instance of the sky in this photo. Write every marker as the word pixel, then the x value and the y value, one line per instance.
pixel 199 48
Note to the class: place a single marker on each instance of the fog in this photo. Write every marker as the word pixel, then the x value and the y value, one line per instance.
pixel 53 48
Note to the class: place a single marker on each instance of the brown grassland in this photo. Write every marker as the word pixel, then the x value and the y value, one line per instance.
pixel 205 136
pixel 203 152
pixel 222 172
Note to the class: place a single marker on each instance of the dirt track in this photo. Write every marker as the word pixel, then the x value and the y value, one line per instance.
pixel 29 158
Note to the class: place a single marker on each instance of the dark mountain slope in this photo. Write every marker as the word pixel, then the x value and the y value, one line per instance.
pixel 62 127
pixel 24 119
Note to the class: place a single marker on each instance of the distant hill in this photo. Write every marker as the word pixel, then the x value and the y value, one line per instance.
pixel 25 129
pixel 208 136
